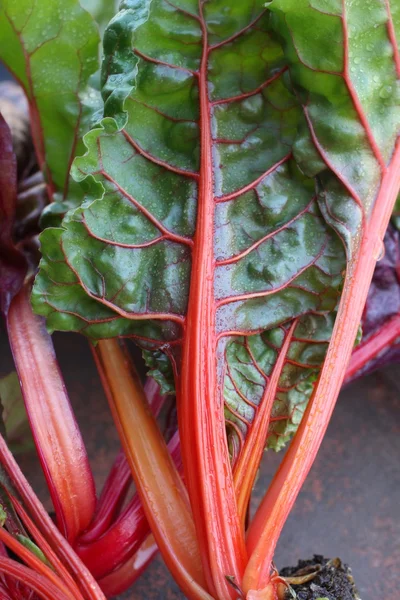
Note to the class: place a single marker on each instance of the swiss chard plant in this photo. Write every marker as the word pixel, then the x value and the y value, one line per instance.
pixel 219 194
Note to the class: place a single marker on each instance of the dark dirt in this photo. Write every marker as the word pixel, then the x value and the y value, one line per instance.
pixel 333 581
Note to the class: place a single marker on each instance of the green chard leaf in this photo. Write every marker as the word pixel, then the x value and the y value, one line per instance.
pixel 350 94
pixel 51 48
pixel 236 197
pixel 3 516
pixel 121 263
pixel 101 10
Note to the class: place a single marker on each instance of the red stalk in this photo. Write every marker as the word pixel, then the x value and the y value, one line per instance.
pixel 159 485
pixel 112 497
pixel 39 584
pixel 380 340
pixel 268 522
pixel 34 562
pixel 57 437
pixel 45 547
pixel 204 449
pixel 117 544
pixel 122 578
pixel 47 528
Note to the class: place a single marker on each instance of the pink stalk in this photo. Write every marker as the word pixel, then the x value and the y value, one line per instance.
pixel 47 528
pixel 379 341
pixel 44 588
pixel 119 543
pixel 47 550
pixel 34 562
pixel 57 437
pixel 112 497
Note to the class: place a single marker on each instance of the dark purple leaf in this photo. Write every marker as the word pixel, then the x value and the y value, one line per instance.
pixel 12 262
pixel 380 343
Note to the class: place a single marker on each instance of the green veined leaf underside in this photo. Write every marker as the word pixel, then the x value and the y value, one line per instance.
pixel 351 100
pixel 51 48
pixel 275 257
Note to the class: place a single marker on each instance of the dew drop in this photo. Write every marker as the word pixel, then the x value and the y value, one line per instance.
pixel 385 92
pixel 379 252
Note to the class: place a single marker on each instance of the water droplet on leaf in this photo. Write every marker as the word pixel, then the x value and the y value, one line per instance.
pixel 385 92
pixel 380 252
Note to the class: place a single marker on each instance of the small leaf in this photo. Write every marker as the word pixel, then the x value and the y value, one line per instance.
pixel 30 545
pixel 14 417
pixel 3 516
pixel 160 369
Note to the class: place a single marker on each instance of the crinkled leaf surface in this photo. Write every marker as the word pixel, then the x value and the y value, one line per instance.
pixel 51 47
pixel 102 11
pixel 351 101
pixel 350 94
pixel 121 264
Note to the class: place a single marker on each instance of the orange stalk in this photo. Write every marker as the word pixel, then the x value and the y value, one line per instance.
pixel 163 495
pixel 249 459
